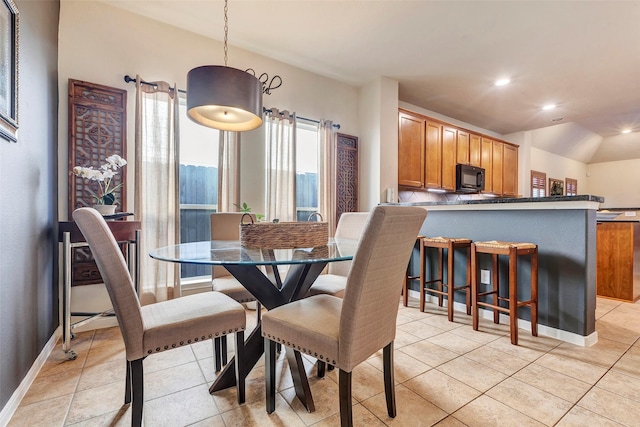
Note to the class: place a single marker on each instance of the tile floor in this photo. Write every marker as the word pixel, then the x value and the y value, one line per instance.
pixel 446 374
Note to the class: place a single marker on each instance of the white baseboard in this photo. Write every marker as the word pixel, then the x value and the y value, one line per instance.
pixel 559 334
pixel 12 405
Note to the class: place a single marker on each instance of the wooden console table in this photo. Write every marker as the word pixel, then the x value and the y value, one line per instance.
pixel 126 233
pixel 618 260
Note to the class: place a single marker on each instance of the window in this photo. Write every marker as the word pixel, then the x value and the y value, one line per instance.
pixel 572 186
pixel 198 185
pixel 306 170
pixel 538 184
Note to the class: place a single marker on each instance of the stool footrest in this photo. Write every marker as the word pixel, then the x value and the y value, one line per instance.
pixel 494 307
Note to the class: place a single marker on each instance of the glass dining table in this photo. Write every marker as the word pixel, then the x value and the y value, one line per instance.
pixel 257 270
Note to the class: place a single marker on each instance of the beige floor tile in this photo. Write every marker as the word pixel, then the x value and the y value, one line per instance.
pixel 482 337
pixel 629 363
pixel 521 351
pixel 533 402
pixel 105 353
pixel 404 339
pixel 420 329
pixel 168 359
pixel 255 415
pixel 325 398
pixel 429 353
pixel 411 409
pixel 612 406
pixel 120 418
pixel 105 373
pixel 361 417
pixel 560 385
pixel 171 380
pixel 442 390
pixel 604 306
pixel 441 322
pixel 580 417
pixel 572 367
pixel 405 366
pixel 181 408
pixel 485 412
pixel 96 401
pixel 51 386
pixel 450 421
pixel 496 359
pixel 604 353
pixel 107 336
pixel 454 343
pixel 46 413
pixel 216 421
pixel 472 373
pixel 616 331
pixel 204 349
pixel 621 384
pixel 59 363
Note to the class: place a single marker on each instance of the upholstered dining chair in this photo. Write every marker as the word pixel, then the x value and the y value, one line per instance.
pixel 161 326
pixel 350 226
pixel 226 226
pixel 345 332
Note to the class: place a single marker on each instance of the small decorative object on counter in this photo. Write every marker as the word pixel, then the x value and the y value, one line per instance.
pixel 105 196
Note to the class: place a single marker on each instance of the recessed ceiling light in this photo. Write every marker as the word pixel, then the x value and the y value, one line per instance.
pixel 502 82
pixel 549 107
pixel 626 131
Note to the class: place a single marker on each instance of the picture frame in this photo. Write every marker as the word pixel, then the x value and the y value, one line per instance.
pixel 556 187
pixel 9 49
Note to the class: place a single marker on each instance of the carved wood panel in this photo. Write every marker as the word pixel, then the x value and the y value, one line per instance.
pixel 97 129
pixel 347 174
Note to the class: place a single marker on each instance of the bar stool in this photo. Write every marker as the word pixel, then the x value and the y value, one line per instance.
pixel 513 250
pixel 450 244
pixel 408 277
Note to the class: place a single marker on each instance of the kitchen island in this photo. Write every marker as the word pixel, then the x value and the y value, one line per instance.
pixel 563 227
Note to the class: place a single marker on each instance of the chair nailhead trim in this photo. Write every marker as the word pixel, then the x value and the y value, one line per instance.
pixel 166 347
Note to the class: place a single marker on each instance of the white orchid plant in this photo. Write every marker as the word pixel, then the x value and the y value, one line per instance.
pixel 103 176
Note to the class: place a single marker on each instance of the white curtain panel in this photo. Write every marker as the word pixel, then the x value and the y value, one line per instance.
pixel 229 172
pixel 280 136
pixel 157 197
pixel 327 173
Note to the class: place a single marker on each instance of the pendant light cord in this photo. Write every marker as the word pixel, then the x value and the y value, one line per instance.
pixel 226 31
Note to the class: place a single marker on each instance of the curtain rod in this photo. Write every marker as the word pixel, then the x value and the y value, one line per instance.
pixel 129 79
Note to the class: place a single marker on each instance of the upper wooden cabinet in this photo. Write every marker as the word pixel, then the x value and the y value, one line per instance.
pixel 411 148
pixel 428 151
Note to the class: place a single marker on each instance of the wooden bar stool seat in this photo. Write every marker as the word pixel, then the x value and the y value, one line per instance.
pixel 513 250
pixel 450 244
pixel 409 276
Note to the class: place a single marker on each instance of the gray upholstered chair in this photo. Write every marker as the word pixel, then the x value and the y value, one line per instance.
pixel 350 226
pixel 225 226
pixel 161 326
pixel 345 332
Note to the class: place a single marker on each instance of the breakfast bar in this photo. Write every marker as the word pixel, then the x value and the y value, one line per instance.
pixel 563 227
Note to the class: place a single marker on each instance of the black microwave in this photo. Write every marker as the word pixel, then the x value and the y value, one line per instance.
pixel 469 179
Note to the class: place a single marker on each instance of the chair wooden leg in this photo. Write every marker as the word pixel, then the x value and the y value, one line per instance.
pixel 321 367
pixel 127 385
pixel 346 411
pixel 468 290
pixel 217 353
pixel 239 363
pixel 474 288
pixel 405 289
pixel 223 350
pixel 450 282
pixel 513 295
pixel 270 374
pixel 496 286
pixel 440 275
pixel 534 293
pixel 389 388
pixel 423 276
pixel 137 385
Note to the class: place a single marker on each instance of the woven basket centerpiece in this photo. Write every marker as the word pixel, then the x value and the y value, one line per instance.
pixel 283 235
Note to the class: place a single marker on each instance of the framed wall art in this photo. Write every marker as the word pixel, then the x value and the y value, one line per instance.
pixel 8 70
pixel 556 187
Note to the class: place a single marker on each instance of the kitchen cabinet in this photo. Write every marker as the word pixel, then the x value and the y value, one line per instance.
pixel 474 149
pixel 618 260
pixel 509 170
pixel 486 162
pixel 411 150
pixel 449 136
pixel 433 153
pixel 462 147
pixel 497 163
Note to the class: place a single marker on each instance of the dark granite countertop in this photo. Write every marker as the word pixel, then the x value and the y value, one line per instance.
pixel 499 200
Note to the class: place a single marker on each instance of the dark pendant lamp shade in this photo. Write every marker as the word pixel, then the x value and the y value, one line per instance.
pixel 224 98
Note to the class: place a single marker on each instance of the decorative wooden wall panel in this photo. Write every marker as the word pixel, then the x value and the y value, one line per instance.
pixel 347 174
pixel 97 129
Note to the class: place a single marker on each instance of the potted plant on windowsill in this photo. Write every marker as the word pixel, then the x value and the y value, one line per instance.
pixel 105 197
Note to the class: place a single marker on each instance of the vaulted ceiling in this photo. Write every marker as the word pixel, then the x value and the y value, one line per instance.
pixel 582 56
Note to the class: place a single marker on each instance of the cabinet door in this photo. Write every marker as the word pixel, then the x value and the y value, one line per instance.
pixel 509 170
pixel 449 158
pixel 474 150
pixel 433 156
pixel 497 167
pixel 486 151
pixel 462 147
pixel 410 150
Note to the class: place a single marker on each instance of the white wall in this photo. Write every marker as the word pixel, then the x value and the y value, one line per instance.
pixel 618 182
pixel 99 43
pixel 558 167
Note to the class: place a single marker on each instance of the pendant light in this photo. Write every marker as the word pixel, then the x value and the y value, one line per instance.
pixel 222 97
